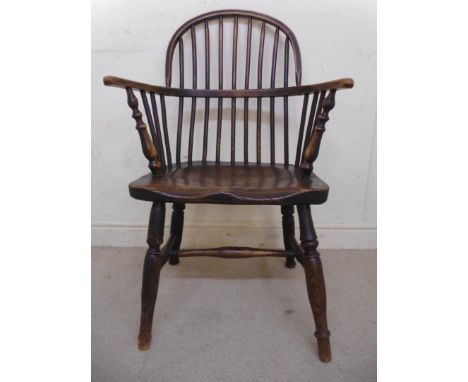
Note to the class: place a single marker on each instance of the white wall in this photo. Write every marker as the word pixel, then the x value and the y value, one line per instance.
pixel 337 39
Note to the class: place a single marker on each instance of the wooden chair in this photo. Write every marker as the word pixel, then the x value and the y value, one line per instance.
pixel 243 179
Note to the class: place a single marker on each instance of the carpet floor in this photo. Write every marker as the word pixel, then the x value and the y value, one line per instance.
pixel 232 320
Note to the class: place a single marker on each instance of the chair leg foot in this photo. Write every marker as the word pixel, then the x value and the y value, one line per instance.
pixel 173 260
pixel 149 292
pixel 315 281
pixel 324 349
pixel 290 262
pixel 144 342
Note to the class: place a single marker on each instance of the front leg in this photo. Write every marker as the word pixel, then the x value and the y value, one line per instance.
pixel 315 281
pixel 151 270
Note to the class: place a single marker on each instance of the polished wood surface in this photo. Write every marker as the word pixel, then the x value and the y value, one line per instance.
pixel 231 184
pixel 179 177
pixel 118 82
pixel 236 15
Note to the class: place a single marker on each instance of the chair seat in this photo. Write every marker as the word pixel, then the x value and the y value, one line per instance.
pixel 231 184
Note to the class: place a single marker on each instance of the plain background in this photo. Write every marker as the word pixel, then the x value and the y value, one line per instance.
pixel 337 39
pixel 45 251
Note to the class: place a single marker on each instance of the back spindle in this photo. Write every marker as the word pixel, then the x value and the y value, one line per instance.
pixel 301 129
pixel 285 102
pixel 181 101
pixel 207 86
pixel 233 101
pixel 246 86
pixel 240 19
pixel 164 124
pixel 194 99
pixel 220 86
pixel 272 99
pixel 259 100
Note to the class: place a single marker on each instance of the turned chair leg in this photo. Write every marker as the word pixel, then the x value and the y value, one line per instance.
pixel 177 228
pixel 151 270
pixel 288 233
pixel 315 280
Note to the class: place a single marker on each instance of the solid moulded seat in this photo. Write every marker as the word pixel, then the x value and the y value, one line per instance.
pixel 231 184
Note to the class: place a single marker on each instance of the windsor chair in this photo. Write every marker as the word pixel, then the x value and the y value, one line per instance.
pixel 243 179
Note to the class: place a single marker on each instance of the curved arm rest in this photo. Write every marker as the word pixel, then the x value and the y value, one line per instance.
pixel 343 83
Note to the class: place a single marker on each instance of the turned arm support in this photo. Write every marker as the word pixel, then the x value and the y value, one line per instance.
pixel 313 146
pixel 147 145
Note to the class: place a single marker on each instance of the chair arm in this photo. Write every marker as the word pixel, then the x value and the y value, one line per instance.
pixel 311 149
pixel 343 83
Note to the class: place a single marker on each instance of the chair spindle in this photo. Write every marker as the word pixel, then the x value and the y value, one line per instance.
pixel 301 129
pixel 220 86
pixel 194 86
pixel 285 102
pixel 166 134
pixel 272 99
pixel 234 80
pixel 207 86
pixel 246 86
pixel 310 122
pixel 181 101
pixel 259 100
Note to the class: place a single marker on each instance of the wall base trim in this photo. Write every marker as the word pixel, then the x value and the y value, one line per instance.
pixel 354 236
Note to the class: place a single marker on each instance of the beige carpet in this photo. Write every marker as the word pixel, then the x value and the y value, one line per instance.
pixel 232 320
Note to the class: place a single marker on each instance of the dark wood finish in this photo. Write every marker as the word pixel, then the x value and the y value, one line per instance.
pixel 181 100
pixel 312 116
pixel 342 83
pixel 248 55
pixel 285 103
pixel 220 86
pixel 301 128
pixel 207 86
pixel 233 252
pixel 166 134
pixel 315 280
pixel 239 181
pixel 312 149
pixel 288 233
pixel 233 13
pixel 177 227
pixel 149 150
pixel 231 184
pixel 151 269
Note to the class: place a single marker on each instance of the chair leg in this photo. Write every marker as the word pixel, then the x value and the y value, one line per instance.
pixel 177 228
pixel 288 231
pixel 151 270
pixel 315 280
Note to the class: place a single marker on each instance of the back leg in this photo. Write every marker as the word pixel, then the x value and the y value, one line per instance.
pixel 315 280
pixel 177 228
pixel 288 232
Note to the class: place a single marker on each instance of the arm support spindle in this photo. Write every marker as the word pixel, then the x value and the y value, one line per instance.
pixel 149 150
pixel 312 149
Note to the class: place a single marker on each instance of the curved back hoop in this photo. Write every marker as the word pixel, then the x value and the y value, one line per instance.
pixel 221 15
